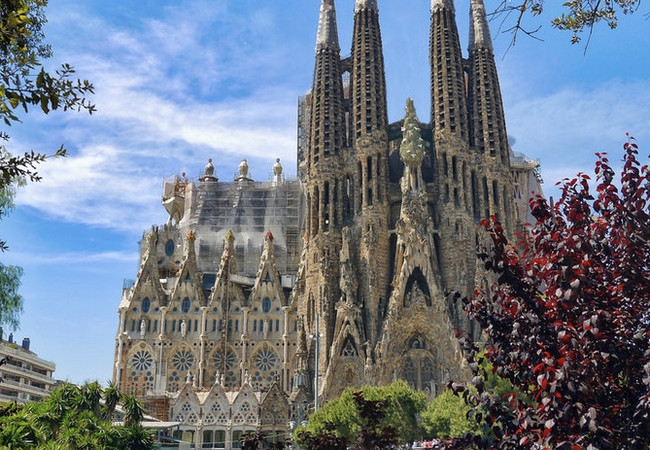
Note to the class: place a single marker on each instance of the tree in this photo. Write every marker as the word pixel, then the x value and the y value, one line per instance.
pixel 447 417
pixel 580 15
pixel 71 417
pixel 24 83
pixel 568 320
pixel 374 414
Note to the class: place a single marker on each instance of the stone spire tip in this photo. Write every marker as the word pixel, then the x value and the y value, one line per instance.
pixel 437 4
pixel 365 4
pixel 479 30
pixel 327 30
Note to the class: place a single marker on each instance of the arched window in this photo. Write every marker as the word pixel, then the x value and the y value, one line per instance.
pixel 146 304
pixel 427 373
pixel 266 305
pixel 185 307
pixel 169 247
pixel 416 342
pixel 410 373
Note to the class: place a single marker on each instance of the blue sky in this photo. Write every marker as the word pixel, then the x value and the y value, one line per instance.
pixel 178 82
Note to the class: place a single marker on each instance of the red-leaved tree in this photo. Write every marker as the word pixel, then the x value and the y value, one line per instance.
pixel 568 320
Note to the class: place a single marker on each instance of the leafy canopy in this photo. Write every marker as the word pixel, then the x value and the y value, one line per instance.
pixel 568 320
pixel 579 15
pixel 24 82
pixel 78 417
pixel 371 417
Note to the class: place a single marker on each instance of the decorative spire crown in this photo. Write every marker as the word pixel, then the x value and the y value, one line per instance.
pixel 479 30
pixel 328 36
pixel 365 4
pixel 411 150
pixel 436 4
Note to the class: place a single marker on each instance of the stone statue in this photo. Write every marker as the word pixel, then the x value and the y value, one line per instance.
pixel 183 328
pixel 243 169
pixel 277 168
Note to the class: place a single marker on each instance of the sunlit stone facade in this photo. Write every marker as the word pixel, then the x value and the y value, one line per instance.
pixel 337 278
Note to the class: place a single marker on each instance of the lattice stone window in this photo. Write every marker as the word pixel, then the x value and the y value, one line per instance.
pixel 230 360
pixel 187 407
pixel 245 408
pixel 142 360
pixel 183 360
pixel 265 360
pixel 348 350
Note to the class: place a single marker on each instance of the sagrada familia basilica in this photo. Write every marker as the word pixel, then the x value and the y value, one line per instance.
pixel 257 299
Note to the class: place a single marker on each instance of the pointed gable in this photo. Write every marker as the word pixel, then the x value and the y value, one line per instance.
pixel 224 290
pixel 275 406
pixel 216 408
pixel 189 277
pixel 267 294
pixel 148 278
pixel 187 407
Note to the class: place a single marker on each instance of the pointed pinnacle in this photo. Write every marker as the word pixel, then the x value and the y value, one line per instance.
pixel 328 36
pixel 437 4
pixel 479 30
pixel 365 4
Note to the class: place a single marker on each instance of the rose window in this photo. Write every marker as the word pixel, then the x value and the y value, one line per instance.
pixel 183 360
pixel 230 360
pixel 265 360
pixel 142 360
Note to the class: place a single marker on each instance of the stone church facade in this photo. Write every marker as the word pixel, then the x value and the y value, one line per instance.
pixel 255 296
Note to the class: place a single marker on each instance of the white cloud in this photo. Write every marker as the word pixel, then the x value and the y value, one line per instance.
pixel 566 128
pixel 151 122
pixel 73 258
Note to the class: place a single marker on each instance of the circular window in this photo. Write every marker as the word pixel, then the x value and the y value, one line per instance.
pixel 230 360
pixel 169 247
pixel 186 305
pixel 146 304
pixel 183 360
pixel 265 360
pixel 266 305
pixel 142 360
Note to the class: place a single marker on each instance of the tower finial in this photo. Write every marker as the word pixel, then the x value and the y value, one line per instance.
pixel 328 36
pixel 435 4
pixel 479 31
pixel 365 4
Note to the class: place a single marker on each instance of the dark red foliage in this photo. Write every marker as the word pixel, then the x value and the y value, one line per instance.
pixel 568 321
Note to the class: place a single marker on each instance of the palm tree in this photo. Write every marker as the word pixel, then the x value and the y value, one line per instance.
pixel 112 397
pixel 133 411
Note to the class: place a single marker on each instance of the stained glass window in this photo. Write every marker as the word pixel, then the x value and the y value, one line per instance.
pixel 141 360
pixel 183 360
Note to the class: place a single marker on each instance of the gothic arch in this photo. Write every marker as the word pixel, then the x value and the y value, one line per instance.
pixel 216 363
pixel 265 366
pixel 140 369
pixel 181 360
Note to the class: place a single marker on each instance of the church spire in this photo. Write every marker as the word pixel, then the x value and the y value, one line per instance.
pixel 368 82
pixel 448 102
pixel 328 36
pixel 326 128
pixel 479 30
pixel 447 4
pixel 488 134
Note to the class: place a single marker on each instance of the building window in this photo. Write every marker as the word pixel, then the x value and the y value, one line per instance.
pixel 266 305
pixel 186 305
